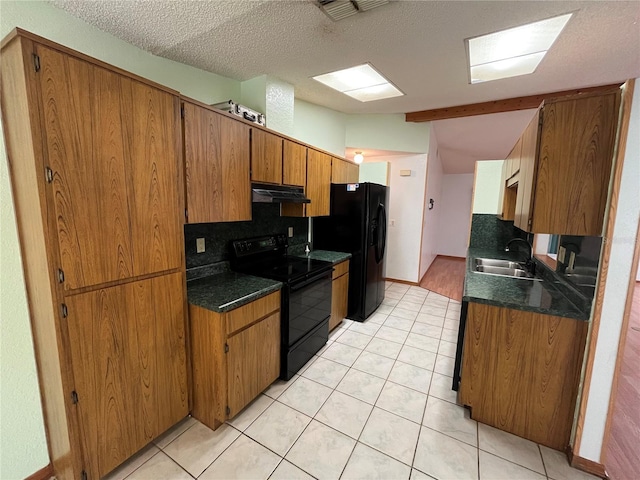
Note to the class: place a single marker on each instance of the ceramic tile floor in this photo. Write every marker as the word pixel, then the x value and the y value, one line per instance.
pixel 376 402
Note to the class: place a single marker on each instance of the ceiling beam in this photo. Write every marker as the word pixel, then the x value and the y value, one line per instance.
pixel 499 106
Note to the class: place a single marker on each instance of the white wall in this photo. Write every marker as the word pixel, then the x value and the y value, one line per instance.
pixel 486 191
pixel 455 215
pixel 615 294
pixel 431 217
pixel 406 195
pixel 319 126
pixel 374 172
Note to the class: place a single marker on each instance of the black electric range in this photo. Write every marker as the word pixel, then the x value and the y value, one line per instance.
pixel 305 298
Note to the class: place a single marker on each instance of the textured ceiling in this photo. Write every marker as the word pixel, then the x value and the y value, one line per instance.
pixel 418 45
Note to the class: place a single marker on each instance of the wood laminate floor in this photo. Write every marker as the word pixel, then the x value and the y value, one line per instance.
pixel 622 460
pixel 446 277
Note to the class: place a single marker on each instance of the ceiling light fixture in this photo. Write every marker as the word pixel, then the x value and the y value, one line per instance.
pixel 358 158
pixel 363 82
pixel 513 52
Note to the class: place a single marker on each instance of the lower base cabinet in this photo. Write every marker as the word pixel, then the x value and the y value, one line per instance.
pixel 235 356
pixel 339 294
pixel 521 371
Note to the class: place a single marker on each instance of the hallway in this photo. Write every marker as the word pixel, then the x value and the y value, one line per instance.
pixel 446 277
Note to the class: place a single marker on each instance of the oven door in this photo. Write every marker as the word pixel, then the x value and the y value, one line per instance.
pixel 309 305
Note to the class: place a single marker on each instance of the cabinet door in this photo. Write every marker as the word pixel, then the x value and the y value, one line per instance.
pixel 338 170
pixel 217 166
pixel 339 298
pixel 294 164
pixel 253 362
pixel 577 139
pixel 129 364
pixel 318 183
pixel 527 175
pixel 112 145
pixel 353 173
pixel 266 157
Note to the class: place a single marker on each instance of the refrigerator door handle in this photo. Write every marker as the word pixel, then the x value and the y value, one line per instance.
pixel 381 233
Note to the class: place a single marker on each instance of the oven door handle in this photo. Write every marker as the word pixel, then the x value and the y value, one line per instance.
pixel 297 286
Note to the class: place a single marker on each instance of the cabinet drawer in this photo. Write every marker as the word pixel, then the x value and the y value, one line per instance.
pixel 249 313
pixel 340 269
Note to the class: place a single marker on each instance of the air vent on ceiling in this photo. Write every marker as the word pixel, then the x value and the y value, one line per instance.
pixel 339 9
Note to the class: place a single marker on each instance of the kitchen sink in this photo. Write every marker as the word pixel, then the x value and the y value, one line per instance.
pixel 508 269
pixel 491 262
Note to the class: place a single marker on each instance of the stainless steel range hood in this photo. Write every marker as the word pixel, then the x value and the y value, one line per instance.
pixel 277 194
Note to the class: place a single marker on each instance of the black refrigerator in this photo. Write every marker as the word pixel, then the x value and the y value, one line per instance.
pixel 357 225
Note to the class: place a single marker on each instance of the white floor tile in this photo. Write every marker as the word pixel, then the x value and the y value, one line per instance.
pixel 361 385
pixel 558 467
pixel 288 471
pixel 436 300
pixel 384 348
pixel 305 395
pixel 384 310
pixel 417 290
pixel 278 427
pixel 451 420
pixel 310 362
pixel 392 293
pixel 326 372
pixel 398 323
pixel 418 475
pixel 441 388
pixel 402 401
pixel 451 324
pixel 341 353
pixel 448 349
pixel 391 434
pixel 244 459
pixel 444 457
pixel 321 451
pixel 417 357
pixel 160 467
pixel 367 328
pixel 345 414
pixel 379 317
pixel 408 304
pixel 278 387
pixel 400 287
pixel 251 412
pixel 422 342
pixel 410 376
pixel 354 339
pixel 495 468
pixel 392 334
pixel 369 464
pixel 444 365
pixel 374 364
pixel 434 311
pixel 392 302
pixel 510 447
pixel 404 313
pixel 427 330
pixel 174 432
pixel 454 314
pixel 134 462
pixel 430 319
pixel 449 335
pixel 196 448
pixel 413 297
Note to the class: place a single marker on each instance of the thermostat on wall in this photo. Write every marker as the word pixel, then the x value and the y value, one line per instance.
pixel 405 173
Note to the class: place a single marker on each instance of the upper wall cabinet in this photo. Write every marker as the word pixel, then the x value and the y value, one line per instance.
pixel 113 154
pixel 318 183
pixel 294 164
pixel 343 171
pixel 216 151
pixel 266 157
pixel 567 154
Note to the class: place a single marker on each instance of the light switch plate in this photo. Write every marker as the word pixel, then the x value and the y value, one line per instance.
pixel 290 232
pixel 199 245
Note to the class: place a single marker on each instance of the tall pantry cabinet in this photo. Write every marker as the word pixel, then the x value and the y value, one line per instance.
pixel 94 158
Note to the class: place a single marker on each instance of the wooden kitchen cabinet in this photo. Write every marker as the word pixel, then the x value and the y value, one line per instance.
pixel 217 163
pixel 339 294
pixel 266 157
pixel 566 165
pixel 95 166
pixel 521 371
pixel 294 164
pixel 318 183
pixel 235 356
pixel 510 171
pixel 343 171
pixel 129 364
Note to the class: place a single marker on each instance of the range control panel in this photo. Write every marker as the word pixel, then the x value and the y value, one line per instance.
pixel 252 246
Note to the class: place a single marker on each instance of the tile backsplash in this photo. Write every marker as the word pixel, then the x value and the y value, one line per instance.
pixel 266 221
pixel 488 231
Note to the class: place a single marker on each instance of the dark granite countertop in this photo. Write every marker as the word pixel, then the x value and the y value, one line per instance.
pixel 228 290
pixel 327 256
pixel 546 296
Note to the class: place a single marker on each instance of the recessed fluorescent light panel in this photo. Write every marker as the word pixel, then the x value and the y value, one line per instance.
pixel 363 83
pixel 513 52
